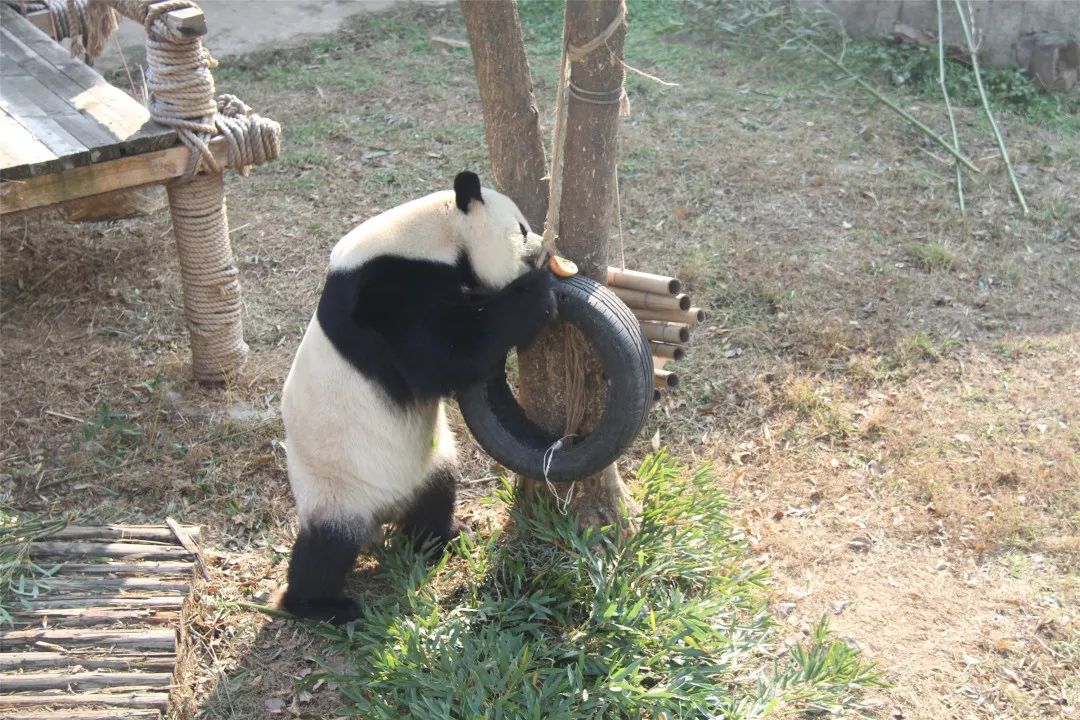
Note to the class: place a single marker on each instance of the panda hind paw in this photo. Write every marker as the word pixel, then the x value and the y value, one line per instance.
pixel 333 610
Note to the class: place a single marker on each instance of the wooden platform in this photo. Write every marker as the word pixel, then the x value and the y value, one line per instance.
pixel 107 640
pixel 65 132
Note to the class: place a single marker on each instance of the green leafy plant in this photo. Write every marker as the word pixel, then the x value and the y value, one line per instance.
pixel 547 621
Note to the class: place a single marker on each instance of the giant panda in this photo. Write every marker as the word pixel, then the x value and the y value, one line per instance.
pixel 419 301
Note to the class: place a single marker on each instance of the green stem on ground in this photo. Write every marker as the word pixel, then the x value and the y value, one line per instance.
pixel 973 50
pixel 960 157
pixel 948 106
pixel 265 609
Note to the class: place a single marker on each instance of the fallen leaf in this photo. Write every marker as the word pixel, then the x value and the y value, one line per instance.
pixel 274 705
pixel 655 442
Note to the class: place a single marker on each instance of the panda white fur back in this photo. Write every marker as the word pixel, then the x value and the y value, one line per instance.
pixel 421 300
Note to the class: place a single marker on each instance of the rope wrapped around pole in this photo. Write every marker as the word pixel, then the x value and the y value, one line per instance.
pixel 182 97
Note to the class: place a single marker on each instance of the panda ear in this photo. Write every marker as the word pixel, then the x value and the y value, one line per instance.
pixel 467 188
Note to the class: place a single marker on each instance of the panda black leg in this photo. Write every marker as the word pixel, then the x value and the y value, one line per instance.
pixel 322 557
pixel 430 515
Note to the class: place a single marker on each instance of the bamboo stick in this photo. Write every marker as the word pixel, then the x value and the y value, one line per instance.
pixel 693 316
pixel 123 532
pixel 911 119
pixel 948 106
pixel 652 301
pixel 115 661
pixel 665 379
pixel 144 638
pixel 646 282
pixel 23 682
pixel 665 331
pixel 61 549
pixel 974 52
pixel 160 601
pixel 665 351
pixel 125 700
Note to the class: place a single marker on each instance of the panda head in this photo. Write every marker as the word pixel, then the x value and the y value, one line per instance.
pixel 494 234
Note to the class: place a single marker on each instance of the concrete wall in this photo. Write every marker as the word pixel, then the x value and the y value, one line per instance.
pixel 1002 23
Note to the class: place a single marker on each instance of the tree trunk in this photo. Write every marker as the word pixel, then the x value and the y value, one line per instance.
pixel 561 385
pixel 511 119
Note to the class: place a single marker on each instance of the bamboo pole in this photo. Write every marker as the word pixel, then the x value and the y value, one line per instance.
pixel 693 316
pixel 911 119
pixel 646 282
pixel 652 301
pixel 974 52
pixel 665 379
pixel 948 106
pixel 665 331
pixel 666 351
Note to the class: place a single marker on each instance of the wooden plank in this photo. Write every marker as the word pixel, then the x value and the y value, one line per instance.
pixel 113 661
pixel 124 532
pixel 188 22
pixel 125 172
pixel 77 714
pixel 78 548
pixel 140 638
pixel 126 700
pixel 84 617
pixel 160 601
pixel 33 682
pixel 92 585
pixel 10 68
pixel 157 567
pixel 85 91
pixel 18 145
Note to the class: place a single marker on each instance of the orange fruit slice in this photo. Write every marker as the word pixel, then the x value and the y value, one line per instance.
pixel 562 267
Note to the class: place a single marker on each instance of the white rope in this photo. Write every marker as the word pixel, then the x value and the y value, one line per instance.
pixel 563 504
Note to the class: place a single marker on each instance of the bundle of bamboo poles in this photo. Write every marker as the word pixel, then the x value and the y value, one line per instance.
pixel 666 314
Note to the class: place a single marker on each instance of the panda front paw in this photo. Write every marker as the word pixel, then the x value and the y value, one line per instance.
pixel 538 306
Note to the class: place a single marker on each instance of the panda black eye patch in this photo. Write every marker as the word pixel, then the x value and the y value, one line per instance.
pixel 524 231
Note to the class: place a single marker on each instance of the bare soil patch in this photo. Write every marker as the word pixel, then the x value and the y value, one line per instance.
pixel 889 390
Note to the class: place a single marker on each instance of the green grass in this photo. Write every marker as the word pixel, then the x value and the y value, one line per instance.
pixel 932 257
pixel 549 622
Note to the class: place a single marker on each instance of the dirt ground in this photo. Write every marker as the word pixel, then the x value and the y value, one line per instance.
pixel 889 390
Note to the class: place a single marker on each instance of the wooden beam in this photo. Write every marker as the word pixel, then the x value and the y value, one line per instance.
pixel 114 661
pixel 124 532
pixel 126 172
pixel 188 22
pixel 144 638
pixel 23 682
pixel 80 714
pixel 126 700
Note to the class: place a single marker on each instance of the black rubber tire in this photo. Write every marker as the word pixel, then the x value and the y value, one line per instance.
pixel 502 429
